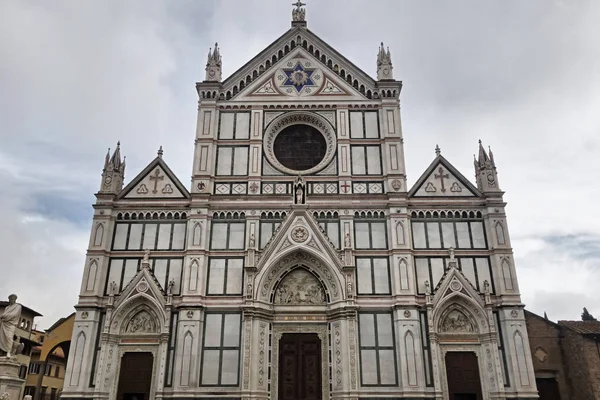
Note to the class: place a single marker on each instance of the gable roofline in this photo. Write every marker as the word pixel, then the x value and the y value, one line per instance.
pixel 158 161
pixel 440 159
pixel 534 315
pixel 308 35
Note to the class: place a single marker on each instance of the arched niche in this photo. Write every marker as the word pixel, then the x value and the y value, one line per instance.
pixel 300 286
pixel 275 272
pixel 144 308
pixel 459 314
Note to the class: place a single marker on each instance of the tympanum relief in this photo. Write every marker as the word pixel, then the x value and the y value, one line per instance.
pixel 457 322
pixel 142 322
pixel 300 287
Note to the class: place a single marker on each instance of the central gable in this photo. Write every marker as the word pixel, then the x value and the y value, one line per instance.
pixel 299 76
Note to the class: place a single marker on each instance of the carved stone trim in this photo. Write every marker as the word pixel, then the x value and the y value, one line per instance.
pixel 300 117
pixel 322 332
pixel 247 338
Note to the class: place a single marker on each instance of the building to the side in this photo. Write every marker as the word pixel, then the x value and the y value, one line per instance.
pixel 24 334
pixel 298 264
pixel 47 367
pixel 566 358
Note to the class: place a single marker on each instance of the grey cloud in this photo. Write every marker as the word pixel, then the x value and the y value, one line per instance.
pixel 78 76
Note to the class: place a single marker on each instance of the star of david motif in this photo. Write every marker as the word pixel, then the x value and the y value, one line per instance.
pixel 299 77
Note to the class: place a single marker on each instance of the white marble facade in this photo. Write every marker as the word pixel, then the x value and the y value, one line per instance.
pixel 391 279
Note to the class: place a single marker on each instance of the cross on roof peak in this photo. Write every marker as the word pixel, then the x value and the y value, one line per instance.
pixel 298 5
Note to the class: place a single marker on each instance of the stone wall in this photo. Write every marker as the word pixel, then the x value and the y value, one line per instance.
pixel 545 339
pixel 583 360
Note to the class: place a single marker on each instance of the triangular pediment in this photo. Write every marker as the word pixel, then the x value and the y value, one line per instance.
pixel 156 181
pixel 441 179
pixel 296 38
pixel 143 283
pixel 299 76
pixel 454 282
pixel 300 231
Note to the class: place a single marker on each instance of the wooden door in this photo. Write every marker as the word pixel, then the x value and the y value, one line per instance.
pixel 462 371
pixel 135 378
pixel 300 367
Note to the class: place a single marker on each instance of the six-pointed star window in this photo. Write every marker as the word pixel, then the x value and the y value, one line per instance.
pixel 299 77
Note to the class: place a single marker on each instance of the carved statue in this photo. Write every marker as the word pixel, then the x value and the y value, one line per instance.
pixel 456 321
pixel 300 287
pixel 347 241
pixel 8 325
pixel 146 259
pixel 252 241
pixel 142 322
pixel 299 13
pixel 299 195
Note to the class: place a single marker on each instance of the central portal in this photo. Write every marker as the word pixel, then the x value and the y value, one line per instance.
pixel 135 378
pixel 300 367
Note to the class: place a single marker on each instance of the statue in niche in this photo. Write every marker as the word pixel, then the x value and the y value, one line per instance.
pixel 300 287
pixel 299 190
pixel 456 321
pixel 142 322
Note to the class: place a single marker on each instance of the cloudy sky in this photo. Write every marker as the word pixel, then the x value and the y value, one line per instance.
pixel 524 76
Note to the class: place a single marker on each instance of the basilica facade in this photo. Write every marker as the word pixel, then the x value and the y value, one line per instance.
pixel 299 264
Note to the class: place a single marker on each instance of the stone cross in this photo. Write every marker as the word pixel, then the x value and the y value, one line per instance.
pixel 157 178
pixel 298 5
pixel 441 177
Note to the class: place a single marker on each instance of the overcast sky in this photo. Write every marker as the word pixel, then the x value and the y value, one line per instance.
pixel 524 76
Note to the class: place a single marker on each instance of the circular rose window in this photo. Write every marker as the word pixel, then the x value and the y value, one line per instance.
pixel 300 143
pixel 299 147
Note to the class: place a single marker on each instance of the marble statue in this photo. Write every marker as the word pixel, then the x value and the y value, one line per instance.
pixel 8 324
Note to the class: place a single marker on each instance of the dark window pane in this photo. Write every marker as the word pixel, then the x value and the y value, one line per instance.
pixel 300 147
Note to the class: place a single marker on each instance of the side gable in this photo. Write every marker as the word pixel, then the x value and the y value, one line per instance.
pixel 441 179
pixel 300 76
pixel 299 37
pixel 156 181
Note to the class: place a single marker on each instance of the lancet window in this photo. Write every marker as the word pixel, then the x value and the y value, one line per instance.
pixel 228 233
pixel 377 350
pixel 373 275
pixel 225 276
pixel 366 160
pixel 151 235
pixel 221 349
pixel 446 233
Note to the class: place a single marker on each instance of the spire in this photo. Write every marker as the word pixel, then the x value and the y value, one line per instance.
pixel 485 170
pixel 438 151
pixel 115 160
pixel 384 64
pixel 213 65
pixel 113 173
pixel 298 14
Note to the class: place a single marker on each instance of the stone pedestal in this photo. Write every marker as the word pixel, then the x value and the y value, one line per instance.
pixel 10 383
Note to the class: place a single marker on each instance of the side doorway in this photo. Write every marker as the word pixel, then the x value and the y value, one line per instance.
pixel 462 371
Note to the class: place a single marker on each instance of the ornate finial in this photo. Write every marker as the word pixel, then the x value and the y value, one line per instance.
pixel 438 151
pixel 160 152
pixel 384 64
pixel 299 13
pixel 451 251
pixel 146 259
pixel 213 65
